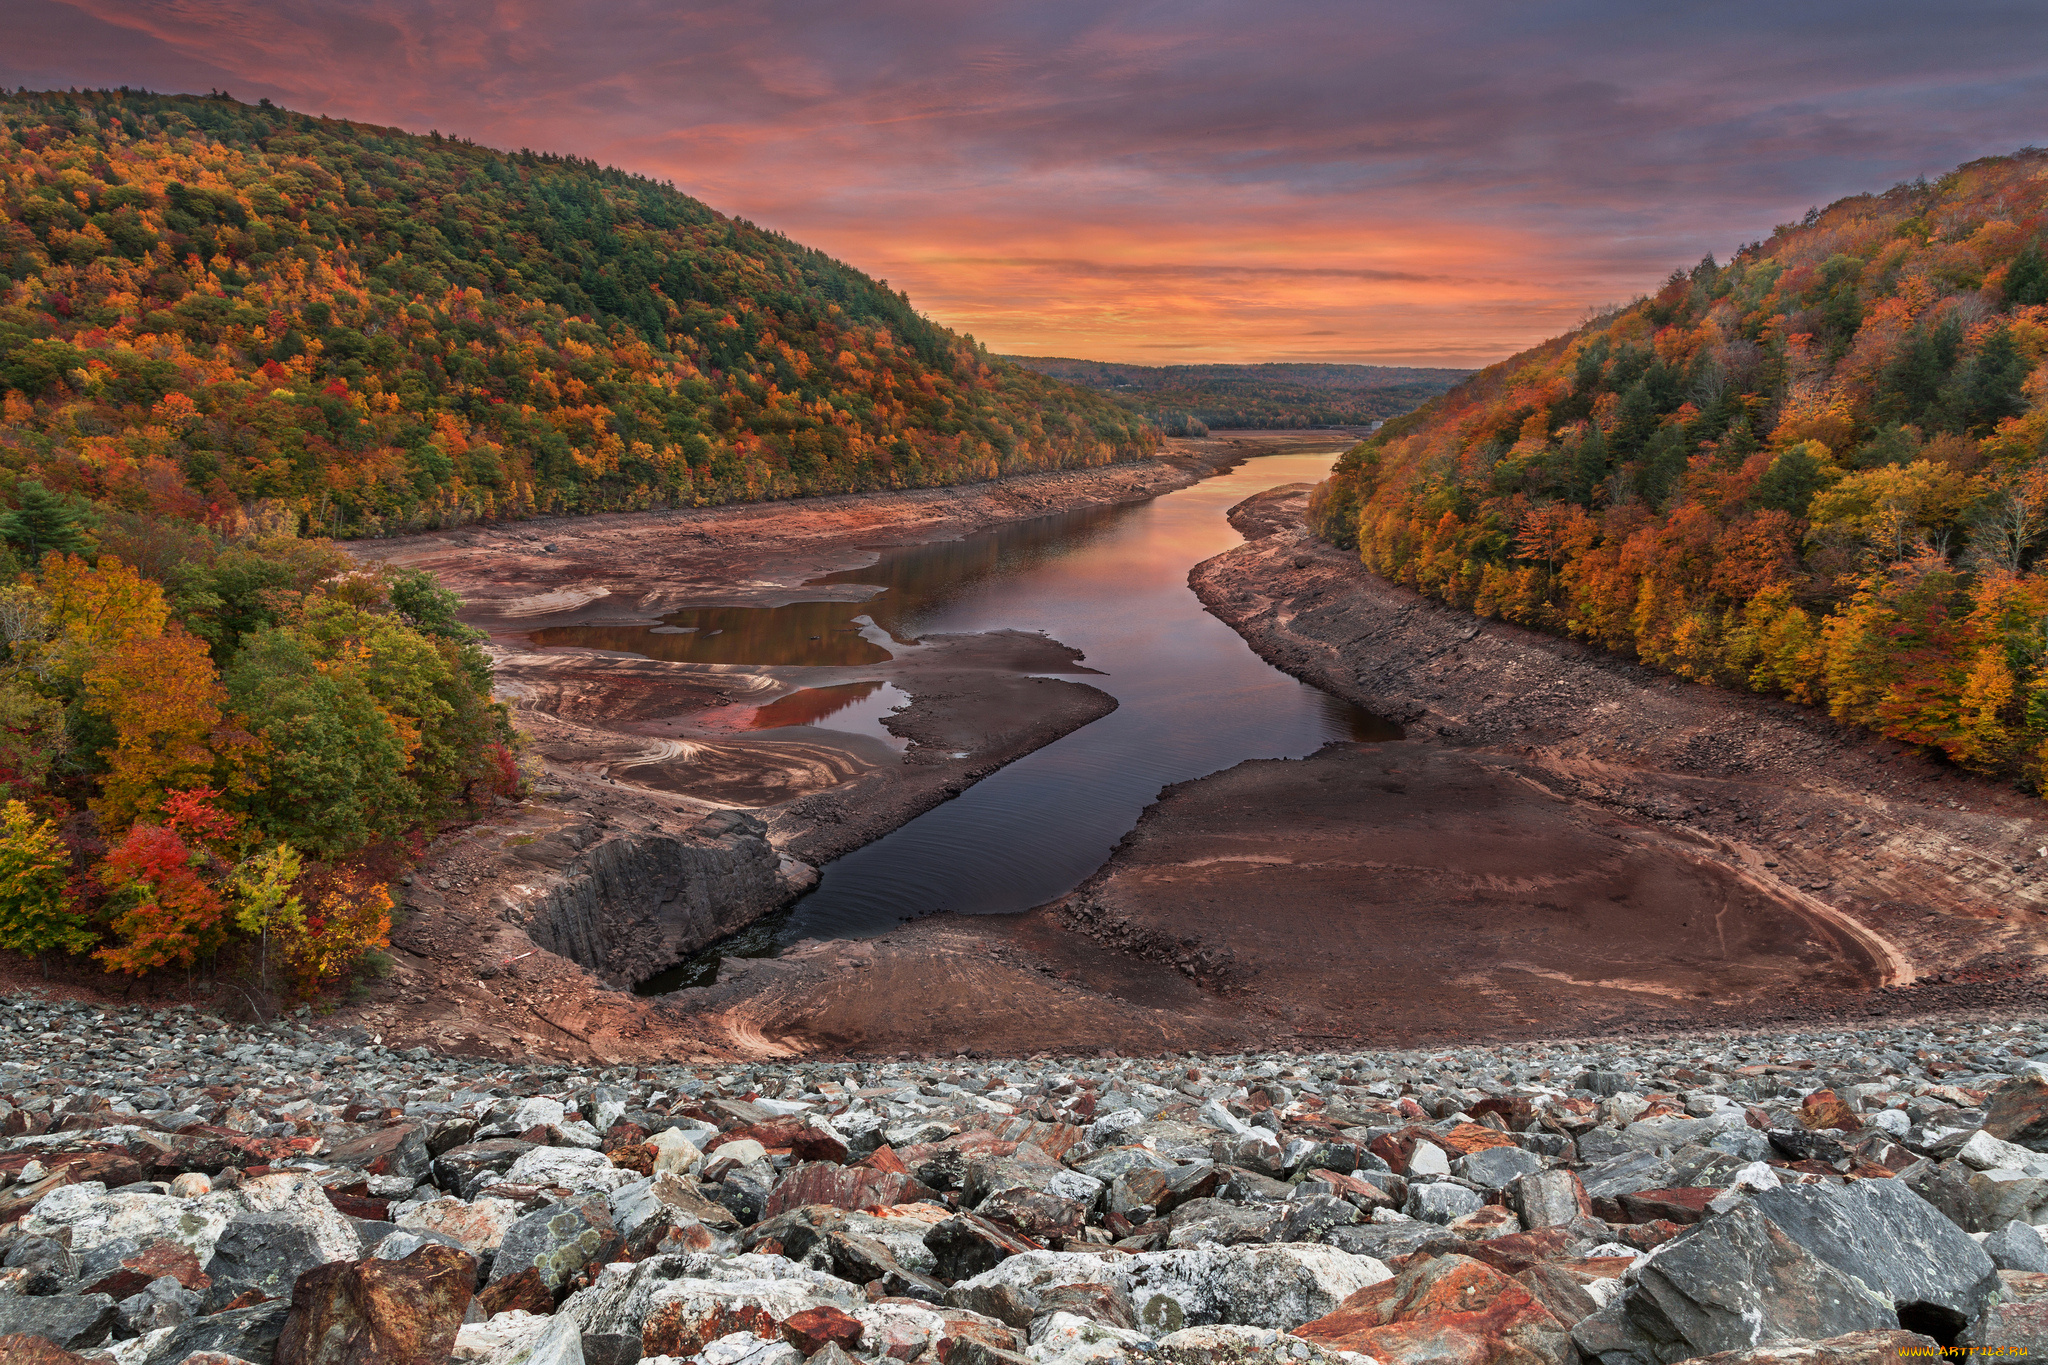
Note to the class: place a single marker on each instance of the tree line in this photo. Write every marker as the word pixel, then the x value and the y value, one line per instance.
pixel 1817 472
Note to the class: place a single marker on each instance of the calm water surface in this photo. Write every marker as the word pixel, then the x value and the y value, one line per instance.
pixel 1192 699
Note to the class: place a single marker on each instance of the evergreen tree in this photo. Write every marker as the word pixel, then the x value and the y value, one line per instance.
pixel 44 522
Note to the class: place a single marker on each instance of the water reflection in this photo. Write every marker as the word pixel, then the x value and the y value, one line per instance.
pixel 1193 699
pixel 855 707
pixel 807 634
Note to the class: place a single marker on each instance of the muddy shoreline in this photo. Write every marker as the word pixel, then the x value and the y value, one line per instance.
pixel 661 821
pixel 1565 845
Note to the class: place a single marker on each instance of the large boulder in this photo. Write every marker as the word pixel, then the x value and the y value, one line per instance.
pixel 379 1312
pixel 73 1321
pixel 86 1216
pixel 1894 1242
pixel 1260 1286
pixel 1447 1308
pixel 559 1241
pixel 298 1193
pixel 461 1170
pixel 264 1253
pixel 1729 1283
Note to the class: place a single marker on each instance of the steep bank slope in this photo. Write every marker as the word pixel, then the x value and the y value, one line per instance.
pixel 1938 874
pixel 1816 472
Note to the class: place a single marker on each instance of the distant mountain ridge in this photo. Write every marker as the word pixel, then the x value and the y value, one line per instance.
pixel 214 304
pixel 1274 394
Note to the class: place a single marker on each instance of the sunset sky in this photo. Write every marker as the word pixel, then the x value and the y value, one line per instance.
pixel 1432 184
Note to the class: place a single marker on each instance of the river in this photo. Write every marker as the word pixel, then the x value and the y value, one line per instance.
pixel 1112 582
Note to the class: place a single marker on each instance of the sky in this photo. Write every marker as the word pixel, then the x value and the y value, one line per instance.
pixel 1437 183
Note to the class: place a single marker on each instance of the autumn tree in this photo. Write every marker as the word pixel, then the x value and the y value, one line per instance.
pixel 36 913
pixel 163 912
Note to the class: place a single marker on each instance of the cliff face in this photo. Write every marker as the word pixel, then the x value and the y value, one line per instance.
pixel 627 906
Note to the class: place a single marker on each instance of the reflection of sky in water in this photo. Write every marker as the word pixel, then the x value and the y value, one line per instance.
pixel 851 708
pixel 1192 699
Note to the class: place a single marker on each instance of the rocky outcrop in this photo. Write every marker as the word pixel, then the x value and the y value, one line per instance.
pixel 630 904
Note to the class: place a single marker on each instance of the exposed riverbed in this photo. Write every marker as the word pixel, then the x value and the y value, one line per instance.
pixel 1112 582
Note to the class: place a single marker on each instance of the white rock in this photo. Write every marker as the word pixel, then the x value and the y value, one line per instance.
pixel 1103 1132
pixel 675 1154
pixel 1082 1189
pixel 746 1151
pixel 1428 1159
pixel 784 1108
pixel 573 1168
pixel 133 1351
pixel 94 1217
pixel 1031 1273
pixel 1984 1152
pixel 297 1192
pixel 577 1133
pixel 516 1329
pixel 1230 1342
pixel 1064 1336
pixel 608 1113
pixel 744 1348
pixel 537 1110
pixel 1895 1122
pixel 479 1225
pixel 1261 1286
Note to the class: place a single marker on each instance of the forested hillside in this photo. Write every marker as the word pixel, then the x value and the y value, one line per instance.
pixel 214 304
pixel 1190 399
pixel 229 333
pixel 1816 471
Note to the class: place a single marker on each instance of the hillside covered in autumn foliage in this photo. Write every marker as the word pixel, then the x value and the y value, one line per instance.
pixel 1191 399
pixel 230 334
pixel 1816 471
pixel 212 304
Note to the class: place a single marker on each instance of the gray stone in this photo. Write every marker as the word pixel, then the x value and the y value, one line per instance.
pixel 559 1240
pixel 1888 1238
pixel 1490 1168
pixel 2017 1246
pixel 264 1252
pixel 1545 1199
pixel 245 1333
pixel 1441 1202
pixel 1731 1282
pixel 73 1321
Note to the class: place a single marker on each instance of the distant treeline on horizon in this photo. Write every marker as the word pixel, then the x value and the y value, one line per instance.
pixel 1191 399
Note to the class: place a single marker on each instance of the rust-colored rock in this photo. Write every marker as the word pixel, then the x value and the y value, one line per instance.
pixel 883 1158
pixel 1825 1109
pixel 2018 1112
pixel 379 1312
pixel 814 1329
pixel 1683 1206
pixel 811 1143
pixel 1449 1309
pixel 151 1263
pixel 638 1157
pixel 1517 1252
pixel 19 1348
pixel 526 1291
pixel 845 1187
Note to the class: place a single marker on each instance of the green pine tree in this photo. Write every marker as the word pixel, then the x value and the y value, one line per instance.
pixel 44 522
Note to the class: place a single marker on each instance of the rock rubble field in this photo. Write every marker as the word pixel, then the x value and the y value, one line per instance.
pixel 179 1190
